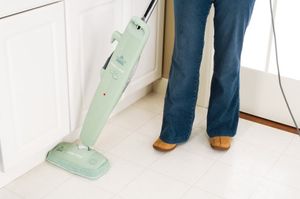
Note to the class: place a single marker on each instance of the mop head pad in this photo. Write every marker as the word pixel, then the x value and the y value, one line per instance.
pixel 80 161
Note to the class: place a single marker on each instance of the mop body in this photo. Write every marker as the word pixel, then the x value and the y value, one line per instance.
pixel 81 159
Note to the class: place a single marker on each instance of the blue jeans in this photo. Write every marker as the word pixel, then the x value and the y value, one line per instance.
pixel 230 23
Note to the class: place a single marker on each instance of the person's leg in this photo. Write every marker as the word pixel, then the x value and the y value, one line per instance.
pixel 230 22
pixel 181 94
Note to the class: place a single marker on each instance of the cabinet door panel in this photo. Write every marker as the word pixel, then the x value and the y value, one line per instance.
pixel 9 7
pixel 90 26
pixel 34 98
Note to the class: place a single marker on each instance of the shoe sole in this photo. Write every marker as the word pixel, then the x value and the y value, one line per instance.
pixel 164 150
pixel 219 148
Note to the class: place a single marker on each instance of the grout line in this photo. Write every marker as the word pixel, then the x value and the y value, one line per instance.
pixel 189 185
pixel 282 154
pixel 118 193
pixel 239 170
pixel 98 147
pixel 56 186
pixel 138 164
pixel 123 140
pixel 137 127
pixel 281 184
pixel 13 193
pixel 143 168
pixel 146 169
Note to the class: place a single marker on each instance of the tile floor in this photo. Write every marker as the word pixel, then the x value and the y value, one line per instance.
pixel 263 163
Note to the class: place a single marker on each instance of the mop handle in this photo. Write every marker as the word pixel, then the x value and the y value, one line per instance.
pixel 149 10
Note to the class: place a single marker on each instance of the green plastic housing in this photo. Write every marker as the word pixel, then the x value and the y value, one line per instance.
pixel 115 78
pixel 80 161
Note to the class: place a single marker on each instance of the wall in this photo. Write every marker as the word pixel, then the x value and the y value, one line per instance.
pixel 169 38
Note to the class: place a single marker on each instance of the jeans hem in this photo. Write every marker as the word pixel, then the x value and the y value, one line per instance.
pixel 211 134
pixel 175 140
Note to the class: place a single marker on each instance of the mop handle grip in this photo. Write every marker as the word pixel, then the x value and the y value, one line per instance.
pixel 149 10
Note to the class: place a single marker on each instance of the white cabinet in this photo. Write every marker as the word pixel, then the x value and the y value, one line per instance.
pixel 10 7
pixel 90 24
pixel 33 83
pixel 50 61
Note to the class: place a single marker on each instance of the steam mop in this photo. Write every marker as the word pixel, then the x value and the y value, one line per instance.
pixel 81 159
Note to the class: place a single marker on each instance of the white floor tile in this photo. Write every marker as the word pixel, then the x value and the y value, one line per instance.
pixel 151 185
pixel 199 144
pixel 153 102
pixel 286 171
pixel 197 193
pixel 243 126
pixel 271 190
pixel 229 182
pixel 181 165
pixel 263 163
pixel 257 160
pixel 119 175
pixel 76 188
pixel 151 128
pixel 132 118
pixel 111 136
pixel 5 194
pixel 267 137
pixel 137 148
pixel 293 149
pixel 38 182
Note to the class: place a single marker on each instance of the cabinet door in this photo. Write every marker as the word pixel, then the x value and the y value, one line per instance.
pixel 90 24
pixel 33 83
pixel 9 7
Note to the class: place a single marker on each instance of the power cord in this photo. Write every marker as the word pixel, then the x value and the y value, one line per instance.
pixel 278 68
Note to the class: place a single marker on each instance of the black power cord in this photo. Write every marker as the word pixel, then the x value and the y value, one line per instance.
pixel 278 68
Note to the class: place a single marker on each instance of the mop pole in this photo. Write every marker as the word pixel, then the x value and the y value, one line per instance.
pixel 149 10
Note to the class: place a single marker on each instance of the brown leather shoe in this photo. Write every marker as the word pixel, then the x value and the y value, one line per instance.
pixel 163 146
pixel 221 143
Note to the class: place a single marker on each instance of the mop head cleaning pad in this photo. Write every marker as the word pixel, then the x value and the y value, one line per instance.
pixel 79 160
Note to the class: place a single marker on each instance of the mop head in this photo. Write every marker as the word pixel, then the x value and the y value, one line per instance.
pixel 79 161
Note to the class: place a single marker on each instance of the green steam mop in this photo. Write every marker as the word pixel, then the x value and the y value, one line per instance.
pixel 117 72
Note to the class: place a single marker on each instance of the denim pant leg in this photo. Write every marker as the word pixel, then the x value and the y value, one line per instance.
pixel 181 94
pixel 230 22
